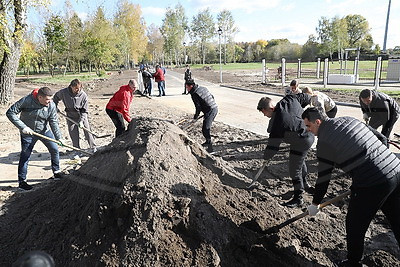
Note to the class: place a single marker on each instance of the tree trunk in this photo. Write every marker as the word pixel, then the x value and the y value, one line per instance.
pixel 9 64
pixel 8 72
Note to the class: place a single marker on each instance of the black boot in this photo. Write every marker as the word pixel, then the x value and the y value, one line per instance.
pixel 296 201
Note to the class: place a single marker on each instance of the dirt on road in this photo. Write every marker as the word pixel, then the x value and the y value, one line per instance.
pixel 155 197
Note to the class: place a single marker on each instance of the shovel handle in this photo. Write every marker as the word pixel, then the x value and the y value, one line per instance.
pixel 260 171
pixel 276 228
pixel 84 128
pixel 59 143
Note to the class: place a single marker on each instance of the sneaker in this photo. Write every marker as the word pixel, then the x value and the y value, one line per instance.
pixel 24 186
pixel 58 176
pixel 296 202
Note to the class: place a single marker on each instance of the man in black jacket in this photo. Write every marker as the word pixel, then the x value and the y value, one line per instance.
pixel 204 102
pixel 379 109
pixel 286 125
pixel 361 152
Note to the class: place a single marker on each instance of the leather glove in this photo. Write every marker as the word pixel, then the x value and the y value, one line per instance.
pixel 81 125
pixel 313 209
pixel 195 117
pixel 27 130
pixel 365 116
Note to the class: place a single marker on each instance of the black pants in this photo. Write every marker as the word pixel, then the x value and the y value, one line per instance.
pixel 332 113
pixel 297 167
pixel 364 204
pixel 207 123
pixel 387 126
pixel 118 121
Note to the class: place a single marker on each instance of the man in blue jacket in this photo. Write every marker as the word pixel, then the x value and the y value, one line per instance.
pixel 36 112
pixel 362 153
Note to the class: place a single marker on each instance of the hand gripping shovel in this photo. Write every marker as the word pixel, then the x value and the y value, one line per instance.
pixel 276 228
pixel 84 128
pixel 61 144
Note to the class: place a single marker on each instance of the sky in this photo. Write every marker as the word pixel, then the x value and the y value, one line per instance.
pixel 266 19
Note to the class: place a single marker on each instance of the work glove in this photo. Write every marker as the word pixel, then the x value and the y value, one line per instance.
pixel 27 130
pixel 81 125
pixel 365 117
pixel 195 117
pixel 313 209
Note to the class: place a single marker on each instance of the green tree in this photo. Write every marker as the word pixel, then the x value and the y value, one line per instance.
pixel 74 34
pixel 173 30
pixel 129 16
pixel 332 34
pixel 28 56
pixel 12 28
pixel 358 30
pixel 202 30
pixel 55 35
pixel 227 24
pixel 156 44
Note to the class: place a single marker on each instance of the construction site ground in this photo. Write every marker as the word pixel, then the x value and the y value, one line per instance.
pixel 155 197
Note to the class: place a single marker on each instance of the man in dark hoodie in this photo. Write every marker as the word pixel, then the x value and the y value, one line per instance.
pixel 286 125
pixel 76 107
pixel 36 112
pixel 204 102
pixel 379 109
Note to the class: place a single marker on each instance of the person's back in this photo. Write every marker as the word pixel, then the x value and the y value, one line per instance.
pixel 350 144
pixel 202 96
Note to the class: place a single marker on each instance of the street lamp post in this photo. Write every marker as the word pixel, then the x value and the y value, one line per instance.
pixel 184 47
pixel 220 66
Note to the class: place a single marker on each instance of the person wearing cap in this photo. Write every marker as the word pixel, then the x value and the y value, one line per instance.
pixel 286 125
pixel 362 153
pixel 118 106
pixel 32 114
pixel 322 102
pixel 204 102
pixel 379 109
pixel 76 107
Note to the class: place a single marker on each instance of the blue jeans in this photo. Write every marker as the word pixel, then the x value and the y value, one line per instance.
pixel 161 87
pixel 27 144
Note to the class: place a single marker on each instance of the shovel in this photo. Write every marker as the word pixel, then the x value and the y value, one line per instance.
pixel 60 144
pixel 185 127
pixel 84 128
pixel 258 174
pixel 276 228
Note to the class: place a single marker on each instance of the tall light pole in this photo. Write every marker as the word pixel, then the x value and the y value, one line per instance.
pixel 386 28
pixel 220 66
pixel 184 47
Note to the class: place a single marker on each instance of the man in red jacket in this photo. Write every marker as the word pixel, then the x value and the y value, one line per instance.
pixel 118 106
pixel 160 79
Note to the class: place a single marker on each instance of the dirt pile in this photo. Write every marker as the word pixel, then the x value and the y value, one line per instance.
pixel 154 197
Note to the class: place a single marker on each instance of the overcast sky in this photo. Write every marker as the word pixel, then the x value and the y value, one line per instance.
pixel 268 19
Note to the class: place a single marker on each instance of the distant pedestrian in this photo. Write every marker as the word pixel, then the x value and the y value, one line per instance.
pixel 146 75
pixel 293 88
pixel 77 108
pixel 37 112
pixel 187 76
pixel 322 101
pixel 204 102
pixel 118 106
pixel 160 80
pixel 379 109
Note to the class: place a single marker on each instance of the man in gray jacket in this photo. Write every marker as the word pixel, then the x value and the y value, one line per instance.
pixel 362 153
pixel 37 112
pixel 204 102
pixel 76 106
